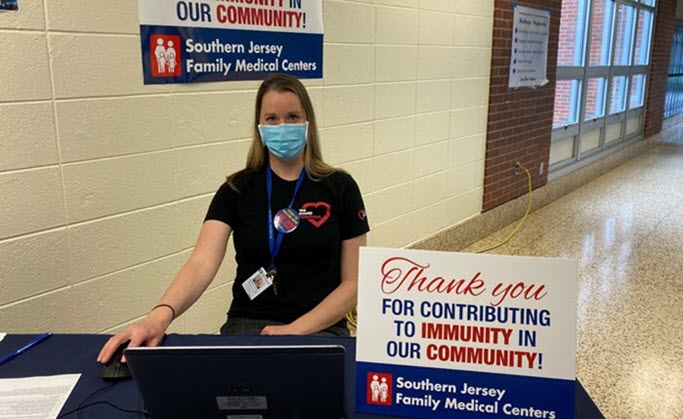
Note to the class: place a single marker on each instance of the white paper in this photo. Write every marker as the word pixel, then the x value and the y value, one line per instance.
pixel 529 57
pixel 35 397
pixel 2 336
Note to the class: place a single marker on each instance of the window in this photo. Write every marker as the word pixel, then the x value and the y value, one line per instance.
pixel 595 99
pixel 613 133
pixel 591 141
pixel 674 86
pixel 562 150
pixel 643 36
pixel 633 125
pixel 601 32
pixel 572 33
pixel 603 57
pixel 567 102
pixel 637 91
pixel 622 47
pixel 617 95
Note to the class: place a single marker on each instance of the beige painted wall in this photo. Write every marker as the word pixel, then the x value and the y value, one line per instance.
pixel 105 181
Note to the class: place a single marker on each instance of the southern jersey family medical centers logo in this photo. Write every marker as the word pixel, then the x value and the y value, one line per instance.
pixel 379 388
pixel 165 55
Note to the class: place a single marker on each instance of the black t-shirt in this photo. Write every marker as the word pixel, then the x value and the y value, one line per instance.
pixel 309 261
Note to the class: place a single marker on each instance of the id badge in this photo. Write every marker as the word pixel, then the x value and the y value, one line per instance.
pixel 257 283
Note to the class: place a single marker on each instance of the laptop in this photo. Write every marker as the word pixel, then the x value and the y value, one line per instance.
pixel 240 382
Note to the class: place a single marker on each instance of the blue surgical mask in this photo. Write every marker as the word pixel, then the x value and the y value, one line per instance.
pixel 285 140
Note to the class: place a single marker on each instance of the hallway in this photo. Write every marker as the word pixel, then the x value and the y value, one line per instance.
pixel 626 230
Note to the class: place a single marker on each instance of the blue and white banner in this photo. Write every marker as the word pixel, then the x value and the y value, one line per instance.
pixel 443 334
pixel 222 40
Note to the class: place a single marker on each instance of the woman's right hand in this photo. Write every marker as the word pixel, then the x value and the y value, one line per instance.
pixel 148 332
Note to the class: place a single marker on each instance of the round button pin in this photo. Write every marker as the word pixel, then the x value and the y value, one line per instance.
pixel 286 220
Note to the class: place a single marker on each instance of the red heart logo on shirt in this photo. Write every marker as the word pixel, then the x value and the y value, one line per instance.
pixel 316 219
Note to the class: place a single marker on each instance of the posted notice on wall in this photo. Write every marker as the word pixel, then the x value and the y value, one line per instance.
pixel 528 62
pixel 9 6
pixel 217 40
pixel 445 334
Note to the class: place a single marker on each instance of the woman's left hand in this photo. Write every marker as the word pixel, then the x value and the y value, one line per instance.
pixel 286 329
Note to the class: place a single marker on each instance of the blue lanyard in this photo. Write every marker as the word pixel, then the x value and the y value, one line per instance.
pixel 275 242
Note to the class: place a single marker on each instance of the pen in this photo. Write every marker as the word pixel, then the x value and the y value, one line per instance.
pixel 29 345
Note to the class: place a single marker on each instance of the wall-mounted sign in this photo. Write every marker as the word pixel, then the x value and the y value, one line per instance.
pixel 444 335
pixel 528 61
pixel 204 41
pixel 9 5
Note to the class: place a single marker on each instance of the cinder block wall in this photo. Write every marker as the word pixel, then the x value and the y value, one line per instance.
pixel 104 182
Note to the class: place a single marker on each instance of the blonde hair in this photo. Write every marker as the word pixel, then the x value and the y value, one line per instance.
pixel 257 157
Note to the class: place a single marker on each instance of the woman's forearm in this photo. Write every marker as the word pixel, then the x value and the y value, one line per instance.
pixel 186 288
pixel 199 270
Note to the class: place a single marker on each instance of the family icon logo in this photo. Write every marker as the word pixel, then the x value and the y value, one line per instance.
pixel 165 55
pixel 379 388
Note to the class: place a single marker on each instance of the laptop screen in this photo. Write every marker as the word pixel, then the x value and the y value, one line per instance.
pixel 240 382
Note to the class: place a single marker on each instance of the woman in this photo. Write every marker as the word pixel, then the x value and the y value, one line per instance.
pixel 297 224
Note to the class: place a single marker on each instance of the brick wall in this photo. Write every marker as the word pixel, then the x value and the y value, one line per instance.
pixel 663 38
pixel 520 121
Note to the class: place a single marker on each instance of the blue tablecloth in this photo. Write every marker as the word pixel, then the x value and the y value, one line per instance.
pixel 76 354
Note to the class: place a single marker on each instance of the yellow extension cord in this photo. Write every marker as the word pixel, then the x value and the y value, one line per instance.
pixel 352 315
pixel 526 214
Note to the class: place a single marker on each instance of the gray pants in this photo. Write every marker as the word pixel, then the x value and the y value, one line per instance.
pixel 242 326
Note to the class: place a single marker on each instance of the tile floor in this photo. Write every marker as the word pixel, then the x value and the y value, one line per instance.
pixel 626 230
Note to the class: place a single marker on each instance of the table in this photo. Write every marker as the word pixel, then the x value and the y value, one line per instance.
pixel 77 354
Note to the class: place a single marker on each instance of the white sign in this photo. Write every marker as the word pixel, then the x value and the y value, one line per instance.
pixel 440 332
pixel 528 61
pixel 289 16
